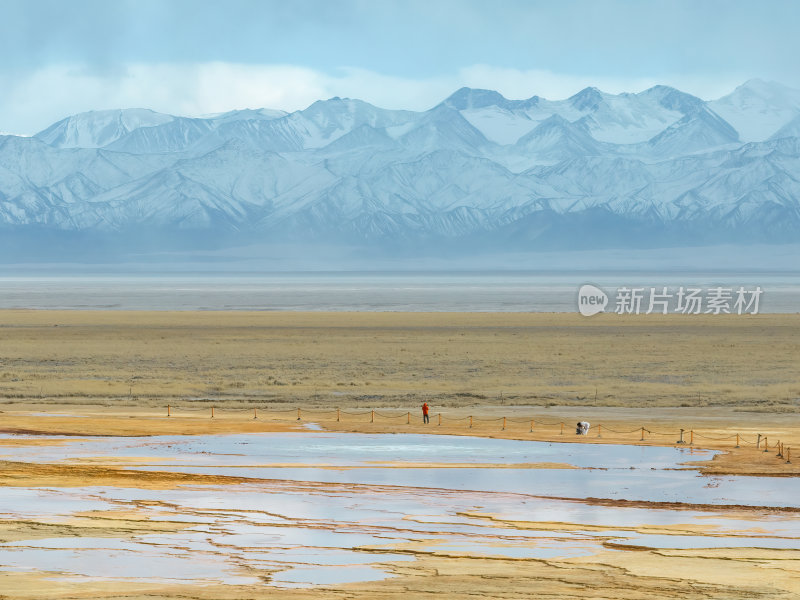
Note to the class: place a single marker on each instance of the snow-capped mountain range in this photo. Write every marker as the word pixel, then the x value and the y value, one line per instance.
pixel 595 169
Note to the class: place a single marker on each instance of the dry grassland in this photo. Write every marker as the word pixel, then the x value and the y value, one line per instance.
pixel 393 359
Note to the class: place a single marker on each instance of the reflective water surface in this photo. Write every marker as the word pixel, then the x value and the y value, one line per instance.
pixel 328 508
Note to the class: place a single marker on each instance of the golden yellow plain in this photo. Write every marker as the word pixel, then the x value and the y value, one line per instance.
pixel 388 359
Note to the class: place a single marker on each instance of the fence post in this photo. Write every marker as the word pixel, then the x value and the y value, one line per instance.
pixel 212 412
pixel 470 421
pixel 642 438
pixel 599 431
pixel 737 440
pixel 780 450
pixel 532 423
pixel 766 444
pixel 372 417
pixel 337 415
pixel 680 441
pixel 408 418
pixel 758 442
pixel 298 413
pixel 788 455
pixel 255 412
pixel 167 409
pixel 691 437
pixel 504 423
pixel 440 418
pixel 562 428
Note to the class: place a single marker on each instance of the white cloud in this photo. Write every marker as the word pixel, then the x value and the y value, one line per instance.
pixel 29 104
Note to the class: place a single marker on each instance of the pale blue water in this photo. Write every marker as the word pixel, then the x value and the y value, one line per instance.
pixel 307 534
pixel 427 291
pixel 640 473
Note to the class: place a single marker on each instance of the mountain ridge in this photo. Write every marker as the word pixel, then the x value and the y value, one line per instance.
pixel 477 169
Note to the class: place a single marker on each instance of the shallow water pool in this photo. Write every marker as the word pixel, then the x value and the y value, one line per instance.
pixel 330 508
pixel 618 472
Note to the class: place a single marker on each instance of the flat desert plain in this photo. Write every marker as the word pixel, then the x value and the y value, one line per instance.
pixel 641 379
pixel 394 359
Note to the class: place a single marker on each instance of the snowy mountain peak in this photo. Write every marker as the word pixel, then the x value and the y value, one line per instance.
pixel 695 132
pixel 587 99
pixel 265 114
pixel 770 91
pixel 467 98
pixel 763 96
pixel 553 123
pixel 337 104
pixel 349 113
pixel 758 109
pixel 443 127
pixel 672 99
pixel 96 129
pixel 556 139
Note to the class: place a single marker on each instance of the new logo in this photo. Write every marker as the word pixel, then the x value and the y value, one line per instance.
pixel 591 300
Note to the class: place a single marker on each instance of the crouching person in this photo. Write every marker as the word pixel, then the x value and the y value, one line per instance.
pixel 582 428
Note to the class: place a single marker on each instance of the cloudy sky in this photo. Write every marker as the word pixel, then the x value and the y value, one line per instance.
pixel 194 57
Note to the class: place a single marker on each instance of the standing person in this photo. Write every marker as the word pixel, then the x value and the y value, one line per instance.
pixel 425 418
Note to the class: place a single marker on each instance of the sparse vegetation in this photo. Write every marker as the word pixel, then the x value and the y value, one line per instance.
pixel 352 359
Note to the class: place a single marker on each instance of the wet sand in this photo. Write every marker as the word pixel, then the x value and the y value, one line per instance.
pixel 490 565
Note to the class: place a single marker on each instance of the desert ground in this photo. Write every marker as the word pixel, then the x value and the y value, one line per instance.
pixel 639 380
pixel 748 363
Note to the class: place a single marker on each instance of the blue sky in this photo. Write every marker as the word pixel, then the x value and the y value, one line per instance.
pixel 198 57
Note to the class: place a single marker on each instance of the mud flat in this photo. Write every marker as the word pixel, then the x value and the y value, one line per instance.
pixel 309 513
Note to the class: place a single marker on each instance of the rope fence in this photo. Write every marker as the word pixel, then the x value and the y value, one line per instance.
pixel 535 426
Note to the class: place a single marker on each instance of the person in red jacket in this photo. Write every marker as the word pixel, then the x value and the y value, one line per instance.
pixel 424 412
